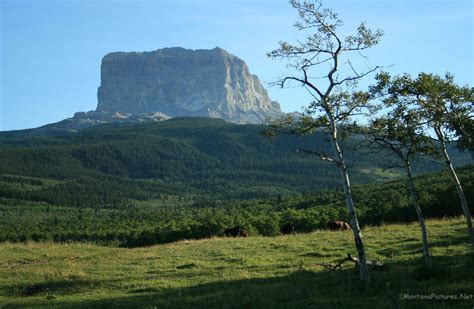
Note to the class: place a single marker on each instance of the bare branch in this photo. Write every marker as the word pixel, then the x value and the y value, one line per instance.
pixel 352 78
pixel 322 155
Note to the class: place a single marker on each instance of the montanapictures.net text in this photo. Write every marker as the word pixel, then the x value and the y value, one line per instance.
pixel 434 296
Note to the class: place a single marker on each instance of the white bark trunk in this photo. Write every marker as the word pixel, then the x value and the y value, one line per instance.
pixel 421 220
pixel 364 272
pixel 462 197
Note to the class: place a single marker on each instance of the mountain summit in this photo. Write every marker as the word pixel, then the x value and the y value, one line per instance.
pixel 183 82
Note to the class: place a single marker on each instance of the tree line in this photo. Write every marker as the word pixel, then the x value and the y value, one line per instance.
pixel 132 225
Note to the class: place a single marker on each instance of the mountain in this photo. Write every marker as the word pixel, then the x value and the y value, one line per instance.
pixel 183 82
pixel 180 161
pixel 139 87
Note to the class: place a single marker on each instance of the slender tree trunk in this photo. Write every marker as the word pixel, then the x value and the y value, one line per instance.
pixel 411 186
pixel 364 272
pixel 462 197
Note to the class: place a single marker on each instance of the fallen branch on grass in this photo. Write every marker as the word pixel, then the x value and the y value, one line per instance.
pixel 338 263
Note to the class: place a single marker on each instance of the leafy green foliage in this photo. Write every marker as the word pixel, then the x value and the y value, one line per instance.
pixel 441 104
pixel 149 222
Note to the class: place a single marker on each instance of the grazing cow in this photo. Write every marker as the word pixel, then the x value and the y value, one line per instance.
pixel 339 226
pixel 288 229
pixel 236 232
pixel 244 233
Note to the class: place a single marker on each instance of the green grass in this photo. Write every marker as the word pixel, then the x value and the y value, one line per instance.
pixel 256 272
pixel 381 174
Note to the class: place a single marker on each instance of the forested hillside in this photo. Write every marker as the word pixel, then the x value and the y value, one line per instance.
pixel 149 183
pixel 180 162
pixel 147 222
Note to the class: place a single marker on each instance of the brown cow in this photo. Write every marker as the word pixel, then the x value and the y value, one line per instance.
pixel 339 226
pixel 244 233
pixel 236 232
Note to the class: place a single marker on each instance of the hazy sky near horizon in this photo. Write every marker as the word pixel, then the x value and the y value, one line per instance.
pixel 51 50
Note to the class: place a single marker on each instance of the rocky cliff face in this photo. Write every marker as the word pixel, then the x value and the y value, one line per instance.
pixel 183 82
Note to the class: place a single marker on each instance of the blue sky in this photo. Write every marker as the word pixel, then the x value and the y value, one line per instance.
pixel 51 50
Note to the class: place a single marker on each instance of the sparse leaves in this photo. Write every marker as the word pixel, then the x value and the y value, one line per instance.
pixel 323 45
pixel 365 38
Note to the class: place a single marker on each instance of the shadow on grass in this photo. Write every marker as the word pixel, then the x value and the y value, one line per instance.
pixel 302 289
pixel 58 287
pixel 415 246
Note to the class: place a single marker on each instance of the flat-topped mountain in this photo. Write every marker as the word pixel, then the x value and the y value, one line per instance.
pixel 183 82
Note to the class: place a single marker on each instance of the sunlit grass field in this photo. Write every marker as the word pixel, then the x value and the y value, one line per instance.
pixel 256 272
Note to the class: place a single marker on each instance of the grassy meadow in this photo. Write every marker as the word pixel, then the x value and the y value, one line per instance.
pixel 255 272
